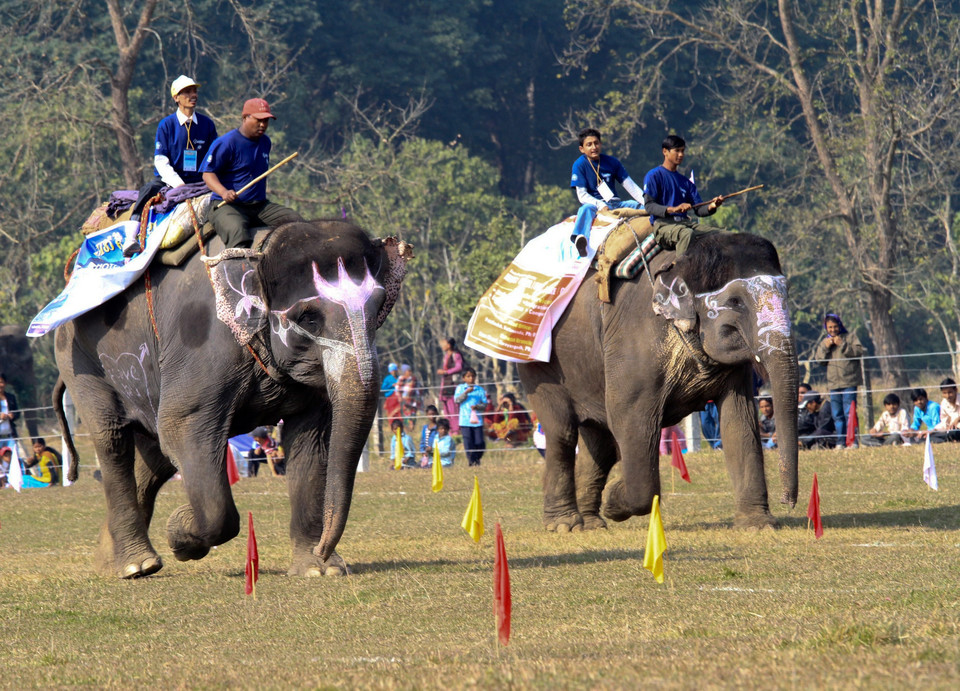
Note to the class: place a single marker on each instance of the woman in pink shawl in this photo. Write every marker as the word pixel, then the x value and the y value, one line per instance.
pixel 449 370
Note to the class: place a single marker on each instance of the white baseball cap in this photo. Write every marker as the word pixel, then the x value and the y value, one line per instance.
pixel 181 83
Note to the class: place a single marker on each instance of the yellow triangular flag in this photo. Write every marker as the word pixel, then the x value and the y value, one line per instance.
pixel 398 450
pixel 473 519
pixel 437 468
pixel 656 543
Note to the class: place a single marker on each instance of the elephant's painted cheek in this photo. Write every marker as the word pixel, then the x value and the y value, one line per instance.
pixel 769 296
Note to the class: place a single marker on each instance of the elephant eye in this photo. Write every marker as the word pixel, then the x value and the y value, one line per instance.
pixel 310 320
pixel 734 303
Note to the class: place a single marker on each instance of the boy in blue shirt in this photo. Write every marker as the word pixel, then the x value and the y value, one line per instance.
pixel 428 434
pixel 444 443
pixel 594 182
pixel 183 139
pixel 925 412
pixel 235 159
pixel 406 456
pixel 668 196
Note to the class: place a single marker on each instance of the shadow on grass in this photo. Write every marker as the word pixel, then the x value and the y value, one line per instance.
pixel 936 518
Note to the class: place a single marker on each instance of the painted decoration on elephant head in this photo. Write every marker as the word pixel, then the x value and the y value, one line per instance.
pixel 353 297
pixel 769 295
pixel 233 274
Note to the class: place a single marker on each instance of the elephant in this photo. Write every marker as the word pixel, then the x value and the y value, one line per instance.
pixel 171 368
pixel 16 362
pixel 666 345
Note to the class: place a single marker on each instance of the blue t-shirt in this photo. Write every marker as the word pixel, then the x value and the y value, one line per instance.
pixel 172 142
pixel 669 188
pixel 475 397
pixel 237 160
pixel 584 174
pixel 929 417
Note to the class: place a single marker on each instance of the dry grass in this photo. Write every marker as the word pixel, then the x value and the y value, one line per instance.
pixel 875 602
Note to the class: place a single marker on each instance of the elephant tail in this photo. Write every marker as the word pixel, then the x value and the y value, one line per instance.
pixel 58 390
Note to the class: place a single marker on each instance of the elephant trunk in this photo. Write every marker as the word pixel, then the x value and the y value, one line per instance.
pixel 354 405
pixel 781 365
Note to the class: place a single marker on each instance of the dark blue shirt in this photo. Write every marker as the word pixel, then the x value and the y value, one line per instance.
pixel 172 142
pixel 584 174
pixel 669 188
pixel 237 160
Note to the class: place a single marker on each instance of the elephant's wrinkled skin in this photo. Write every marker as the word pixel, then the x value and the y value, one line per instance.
pixel 620 372
pixel 156 405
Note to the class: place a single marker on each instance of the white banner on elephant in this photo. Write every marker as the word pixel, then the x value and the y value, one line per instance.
pixel 99 273
pixel 514 318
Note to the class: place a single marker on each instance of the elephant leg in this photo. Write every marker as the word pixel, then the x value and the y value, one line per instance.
pixel 307 455
pixel 598 455
pixel 560 427
pixel 743 454
pixel 210 518
pixel 637 431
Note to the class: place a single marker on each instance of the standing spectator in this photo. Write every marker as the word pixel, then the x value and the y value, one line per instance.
pixel 388 386
pixel 450 367
pixel 710 425
pixel 408 394
pixel 427 434
pixel 815 423
pixel 926 413
pixel 511 423
pixel 472 400
pixel 891 425
pixel 949 412
pixel 666 439
pixel 45 463
pixel 768 426
pixel 406 444
pixel 446 444
pixel 840 351
pixel 9 412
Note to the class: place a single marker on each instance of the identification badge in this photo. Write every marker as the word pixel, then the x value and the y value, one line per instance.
pixel 605 192
pixel 190 160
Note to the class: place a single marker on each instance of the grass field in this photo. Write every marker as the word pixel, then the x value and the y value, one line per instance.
pixel 872 603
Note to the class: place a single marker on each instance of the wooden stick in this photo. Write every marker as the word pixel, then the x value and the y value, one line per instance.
pixel 734 194
pixel 261 177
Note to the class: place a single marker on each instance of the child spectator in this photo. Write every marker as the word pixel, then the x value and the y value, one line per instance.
pixel 427 435
pixel 406 457
pixel 815 424
pixel 594 181
pixel 446 444
pixel 6 457
pixel 840 352
pixel 472 400
pixel 891 425
pixel 768 426
pixel 949 411
pixel 926 413
pixel 511 423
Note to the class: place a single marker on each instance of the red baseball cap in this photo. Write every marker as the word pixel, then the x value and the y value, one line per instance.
pixel 258 108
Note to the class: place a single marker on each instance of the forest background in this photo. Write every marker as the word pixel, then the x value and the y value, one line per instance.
pixel 451 125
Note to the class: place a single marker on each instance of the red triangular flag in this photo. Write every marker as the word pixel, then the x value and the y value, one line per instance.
pixel 677 456
pixel 813 510
pixel 253 559
pixel 852 425
pixel 233 475
pixel 501 589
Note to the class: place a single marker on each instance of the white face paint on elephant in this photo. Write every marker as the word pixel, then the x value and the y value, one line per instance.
pixel 769 295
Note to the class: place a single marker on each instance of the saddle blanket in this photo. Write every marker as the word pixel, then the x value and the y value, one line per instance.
pixel 100 272
pixel 514 318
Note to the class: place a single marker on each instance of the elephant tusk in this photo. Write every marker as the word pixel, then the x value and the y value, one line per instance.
pixel 756 357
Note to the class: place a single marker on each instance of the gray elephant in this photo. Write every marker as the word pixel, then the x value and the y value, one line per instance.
pixel 241 339
pixel 620 372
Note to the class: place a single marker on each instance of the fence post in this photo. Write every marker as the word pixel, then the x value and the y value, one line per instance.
pixel 868 391
pixel 691 429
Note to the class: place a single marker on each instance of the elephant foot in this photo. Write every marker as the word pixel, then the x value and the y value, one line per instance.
pixel 138 569
pixel 312 567
pixel 134 562
pixel 592 521
pixel 613 508
pixel 790 501
pixel 185 546
pixel 566 523
pixel 755 521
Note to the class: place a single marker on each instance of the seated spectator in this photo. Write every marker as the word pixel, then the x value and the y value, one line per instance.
pixel 6 456
pixel 45 463
pixel 949 424
pixel 427 435
pixel 802 389
pixel 511 423
pixel 265 450
pixel 666 439
pixel 815 423
pixel 406 443
pixel 891 425
pixel 768 426
pixel 926 414
pixel 446 444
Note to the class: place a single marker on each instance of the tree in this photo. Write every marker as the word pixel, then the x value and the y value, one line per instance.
pixel 861 86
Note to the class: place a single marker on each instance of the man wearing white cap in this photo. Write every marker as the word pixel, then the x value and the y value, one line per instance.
pixel 236 159
pixel 183 139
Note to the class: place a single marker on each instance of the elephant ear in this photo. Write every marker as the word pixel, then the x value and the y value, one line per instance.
pixel 673 300
pixel 394 255
pixel 239 293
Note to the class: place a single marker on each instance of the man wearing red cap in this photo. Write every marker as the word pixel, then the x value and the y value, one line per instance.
pixel 234 160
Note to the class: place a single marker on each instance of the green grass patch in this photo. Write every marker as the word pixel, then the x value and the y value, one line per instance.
pixel 874 602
